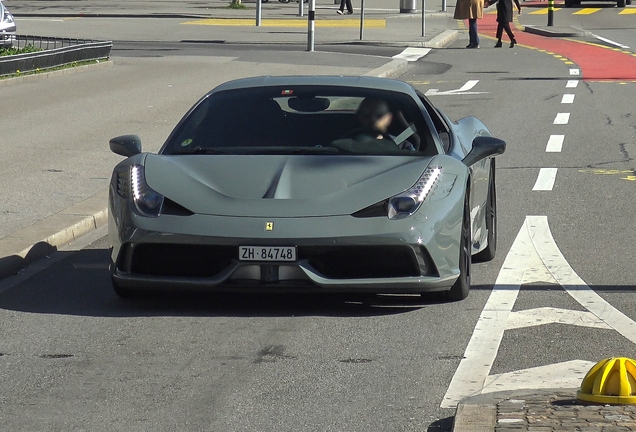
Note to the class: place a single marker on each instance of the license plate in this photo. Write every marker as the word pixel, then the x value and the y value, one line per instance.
pixel 267 253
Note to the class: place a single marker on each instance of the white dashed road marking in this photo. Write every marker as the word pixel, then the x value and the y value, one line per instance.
pixel 562 118
pixel 545 180
pixel 567 99
pixel 575 72
pixel 572 84
pixel 555 143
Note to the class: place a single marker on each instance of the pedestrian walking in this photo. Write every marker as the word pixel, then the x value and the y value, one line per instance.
pixel 504 18
pixel 344 3
pixel 472 10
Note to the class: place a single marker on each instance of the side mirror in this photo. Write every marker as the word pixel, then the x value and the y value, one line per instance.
pixel 126 145
pixel 483 147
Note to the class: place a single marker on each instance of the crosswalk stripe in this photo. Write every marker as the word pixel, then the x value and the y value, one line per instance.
pixel 627 12
pixel 543 11
pixel 586 11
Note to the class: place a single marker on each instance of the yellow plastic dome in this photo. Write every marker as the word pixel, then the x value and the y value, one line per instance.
pixel 611 381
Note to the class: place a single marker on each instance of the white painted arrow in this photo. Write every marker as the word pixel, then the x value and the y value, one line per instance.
pixel 558 375
pixel 533 257
pixel 462 90
pixel 549 315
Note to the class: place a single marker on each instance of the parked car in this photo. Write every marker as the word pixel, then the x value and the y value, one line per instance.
pixel 7 27
pixel 308 184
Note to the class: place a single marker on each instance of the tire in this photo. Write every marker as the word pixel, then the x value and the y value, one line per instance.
pixel 628 2
pixel 461 287
pixel 569 3
pixel 491 220
pixel 620 3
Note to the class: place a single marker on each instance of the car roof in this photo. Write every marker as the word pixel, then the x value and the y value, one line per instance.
pixel 320 80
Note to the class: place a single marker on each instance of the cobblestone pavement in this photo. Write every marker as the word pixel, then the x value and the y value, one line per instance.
pixel 561 412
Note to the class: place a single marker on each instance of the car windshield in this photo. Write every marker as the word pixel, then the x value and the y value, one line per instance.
pixel 305 120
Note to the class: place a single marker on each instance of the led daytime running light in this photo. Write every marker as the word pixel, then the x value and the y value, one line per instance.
pixel 426 183
pixel 147 202
pixel 409 201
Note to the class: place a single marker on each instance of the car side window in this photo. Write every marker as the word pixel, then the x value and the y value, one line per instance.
pixel 440 125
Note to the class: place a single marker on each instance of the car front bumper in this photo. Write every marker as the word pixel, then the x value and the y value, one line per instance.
pixel 334 254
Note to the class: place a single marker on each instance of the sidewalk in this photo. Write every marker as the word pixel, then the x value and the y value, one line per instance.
pixel 384 24
pixel 546 410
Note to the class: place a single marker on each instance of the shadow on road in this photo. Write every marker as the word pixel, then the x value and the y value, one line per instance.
pixel 79 284
pixel 442 425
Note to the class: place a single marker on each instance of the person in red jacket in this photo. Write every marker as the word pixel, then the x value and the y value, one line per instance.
pixel 504 18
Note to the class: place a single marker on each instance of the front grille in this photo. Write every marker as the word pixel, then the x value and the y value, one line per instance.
pixel 180 260
pixel 361 262
pixel 333 262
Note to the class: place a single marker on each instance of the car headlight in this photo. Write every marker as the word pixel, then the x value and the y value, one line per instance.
pixel 405 204
pixel 131 184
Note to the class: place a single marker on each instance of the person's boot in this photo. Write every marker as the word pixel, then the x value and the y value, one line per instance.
pixel 513 42
pixel 498 44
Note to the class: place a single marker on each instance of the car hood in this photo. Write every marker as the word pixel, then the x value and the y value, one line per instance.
pixel 280 186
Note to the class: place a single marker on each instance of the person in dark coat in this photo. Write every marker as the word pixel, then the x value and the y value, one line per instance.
pixel 504 18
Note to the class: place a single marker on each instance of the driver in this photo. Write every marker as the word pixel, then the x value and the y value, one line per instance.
pixel 375 117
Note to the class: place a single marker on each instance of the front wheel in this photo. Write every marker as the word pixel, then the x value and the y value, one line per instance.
pixel 620 3
pixel 461 287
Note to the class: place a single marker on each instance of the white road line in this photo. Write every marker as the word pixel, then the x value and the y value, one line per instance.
pixel 574 285
pixel 575 72
pixel 555 143
pixel 469 85
pixel 560 375
pixel 545 179
pixel 550 315
pixel 572 84
pixel 562 118
pixel 567 98
pixel 412 54
pixel 533 251
pixel 473 369
pixel 611 42
pixel 463 90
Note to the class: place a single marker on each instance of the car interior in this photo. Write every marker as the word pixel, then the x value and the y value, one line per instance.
pixel 292 119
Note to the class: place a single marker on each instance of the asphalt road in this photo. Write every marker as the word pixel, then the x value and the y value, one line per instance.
pixel 80 358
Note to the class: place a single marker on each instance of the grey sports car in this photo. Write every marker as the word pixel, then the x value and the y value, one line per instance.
pixel 348 184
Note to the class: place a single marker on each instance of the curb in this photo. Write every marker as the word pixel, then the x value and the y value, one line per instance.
pixel 479 413
pixel 561 31
pixel 392 68
pixel 35 76
pixel 18 249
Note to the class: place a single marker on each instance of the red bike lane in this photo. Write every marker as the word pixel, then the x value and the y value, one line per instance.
pixel 595 62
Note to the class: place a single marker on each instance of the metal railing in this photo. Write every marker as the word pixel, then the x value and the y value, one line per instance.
pixel 45 42
pixel 52 52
